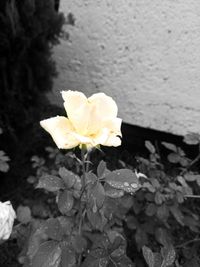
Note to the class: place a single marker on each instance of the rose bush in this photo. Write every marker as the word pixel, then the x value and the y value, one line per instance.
pixel 86 229
pixel 7 217
pixel 91 121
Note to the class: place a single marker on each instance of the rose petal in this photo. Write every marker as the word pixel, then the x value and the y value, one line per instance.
pixel 78 110
pixel 61 131
pixel 101 137
pixel 112 140
pixel 106 138
pixel 82 139
pixel 105 106
pixel 114 126
pixel 7 217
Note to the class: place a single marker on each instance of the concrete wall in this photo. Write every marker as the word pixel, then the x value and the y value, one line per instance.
pixel 143 53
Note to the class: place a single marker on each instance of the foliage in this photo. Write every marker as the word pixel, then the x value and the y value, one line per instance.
pixel 163 213
pixel 28 29
pixel 112 214
pixel 91 206
pixel 4 167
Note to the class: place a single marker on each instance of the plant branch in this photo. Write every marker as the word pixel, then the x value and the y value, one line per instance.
pixel 188 242
pixel 191 164
pixel 81 213
pixel 192 196
pixel 83 166
pixel 194 161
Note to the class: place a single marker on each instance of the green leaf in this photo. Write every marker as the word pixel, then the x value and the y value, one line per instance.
pixel 181 152
pixel 162 212
pixel 149 197
pixel 132 222
pixel 37 236
pixel 162 236
pixel 91 178
pixel 79 243
pixel 180 197
pixel 78 185
pixel 97 219
pixel 68 257
pixel 96 196
pixel 50 183
pixel 148 255
pixel 149 187
pixel 141 238
pixel 184 162
pixel 155 183
pixel 112 192
pixel 176 212
pixel 110 208
pixel 169 256
pixel 116 239
pixel 150 147
pixel 69 178
pixel 48 255
pixel 137 206
pixel 150 209
pixel 190 177
pixel 4 167
pixel 182 181
pixel 95 262
pixel 53 229
pixel 98 254
pixel 194 262
pixel 108 250
pixel 174 158
pixel 126 202
pixel 192 223
pixel 170 146
pixel 101 169
pixel 198 181
pixel 157 259
pixel 24 214
pixel 159 198
pixel 192 139
pixel 123 261
pixel 67 223
pixel 123 179
pixel 65 201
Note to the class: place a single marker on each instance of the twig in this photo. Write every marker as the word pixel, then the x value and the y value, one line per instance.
pixel 188 242
pixel 191 164
pixel 81 212
pixel 194 161
pixel 192 196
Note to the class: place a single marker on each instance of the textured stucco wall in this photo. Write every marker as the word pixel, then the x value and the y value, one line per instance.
pixel 144 53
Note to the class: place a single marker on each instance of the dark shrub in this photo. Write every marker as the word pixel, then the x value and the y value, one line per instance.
pixel 28 30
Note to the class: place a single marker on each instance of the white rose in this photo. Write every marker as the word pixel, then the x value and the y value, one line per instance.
pixel 7 217
pixel 91 121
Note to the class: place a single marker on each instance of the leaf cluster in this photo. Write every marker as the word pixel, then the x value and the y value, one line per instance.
pixel 165 210
pixel 88 228
pixel 152 212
